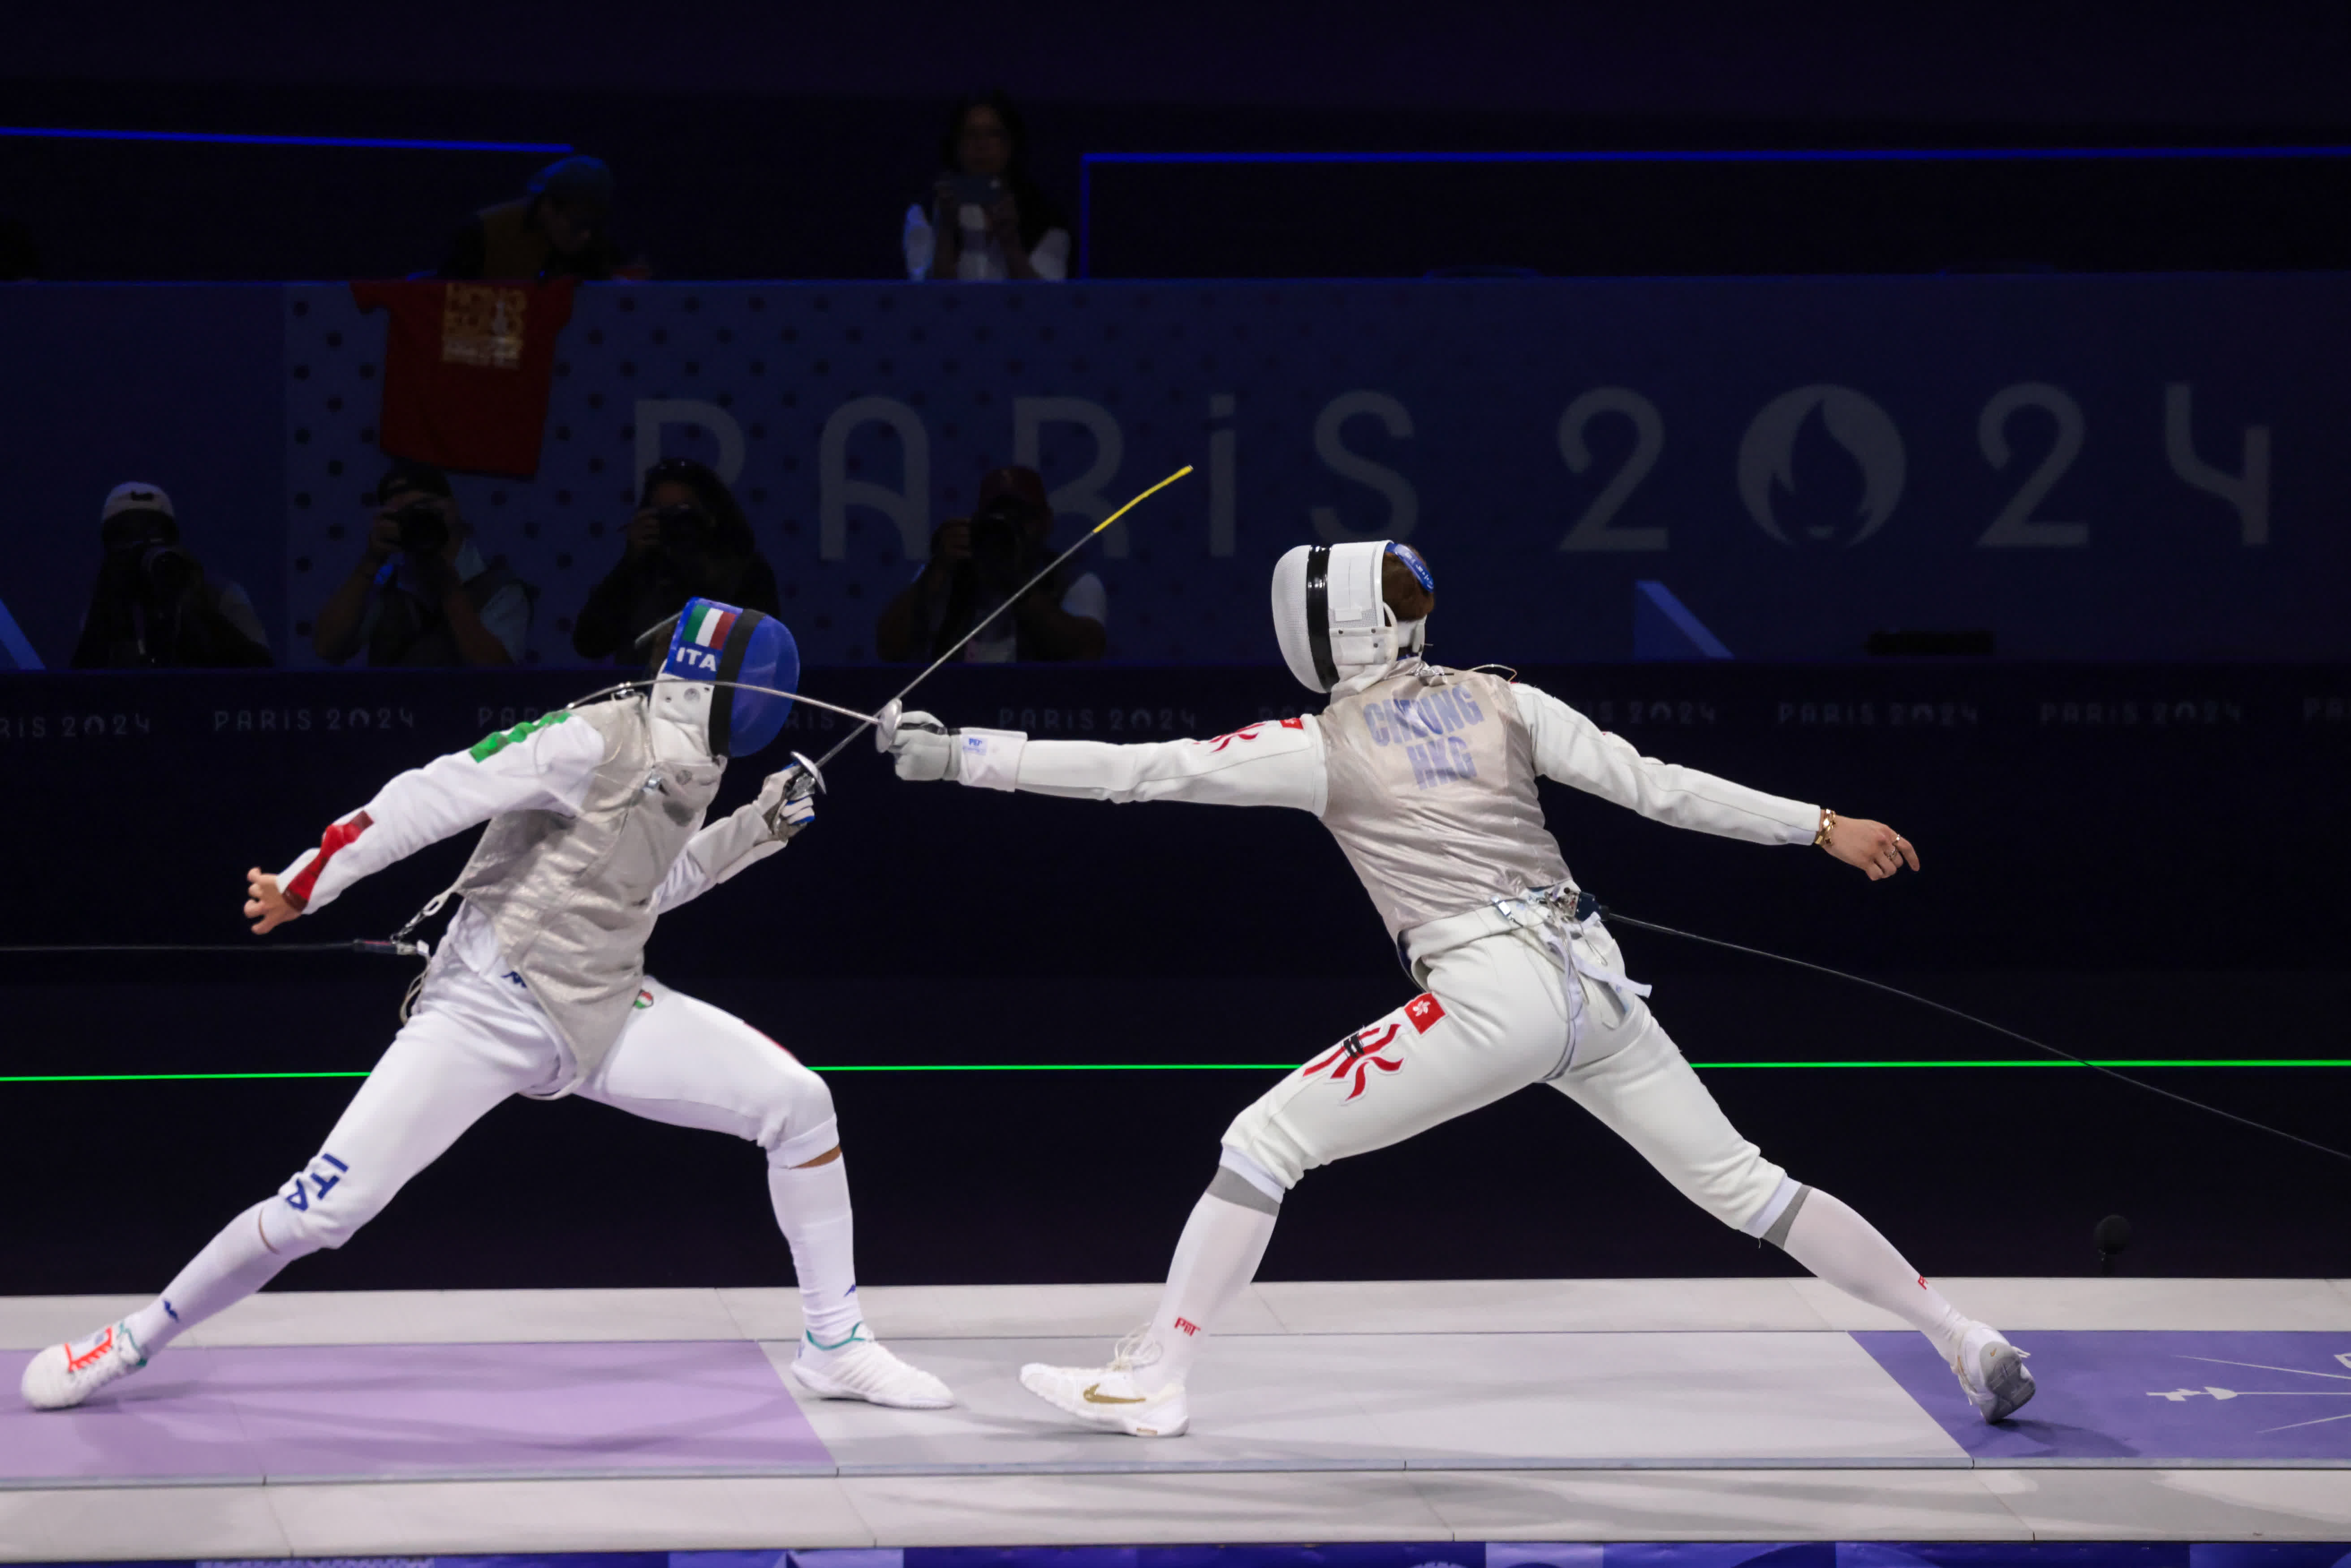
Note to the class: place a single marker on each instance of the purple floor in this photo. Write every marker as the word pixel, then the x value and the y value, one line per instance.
pixel 390 1411
pixel 2274 1397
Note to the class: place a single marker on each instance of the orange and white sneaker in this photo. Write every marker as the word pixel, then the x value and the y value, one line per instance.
pixel 1109 1396
pixel 64 1374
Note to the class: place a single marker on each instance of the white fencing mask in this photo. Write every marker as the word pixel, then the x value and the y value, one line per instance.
pixel 1328 615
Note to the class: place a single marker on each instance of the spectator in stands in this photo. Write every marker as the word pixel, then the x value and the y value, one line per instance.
pixel 154 605
pixel 557 229
pixel 976 563
pixel 689 540
pixel 421 593
pixel 988 220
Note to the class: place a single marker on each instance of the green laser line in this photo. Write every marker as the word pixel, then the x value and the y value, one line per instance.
pixel 2045 1061
pixel 1230 1067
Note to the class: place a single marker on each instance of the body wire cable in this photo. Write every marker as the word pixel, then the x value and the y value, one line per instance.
pixel 403 948
pixel 395 949
pixel 1616 918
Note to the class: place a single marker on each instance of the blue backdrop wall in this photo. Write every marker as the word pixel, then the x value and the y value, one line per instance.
pixel 2143 467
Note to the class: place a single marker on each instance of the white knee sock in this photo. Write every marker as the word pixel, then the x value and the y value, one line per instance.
pixel 812 1206
pixel 233 1266
pixel 1216 1258
pixel 1841 1247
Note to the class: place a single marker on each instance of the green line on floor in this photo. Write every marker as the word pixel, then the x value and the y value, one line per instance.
pixel 2054 1062
pixel 2151 1061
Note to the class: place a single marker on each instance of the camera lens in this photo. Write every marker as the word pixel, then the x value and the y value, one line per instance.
pixel 686 527
pixel 423 531
pixel 169 571
pixel 996 531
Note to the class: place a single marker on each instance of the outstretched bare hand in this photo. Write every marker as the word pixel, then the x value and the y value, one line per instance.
pixel 265 904
pixel 1872 846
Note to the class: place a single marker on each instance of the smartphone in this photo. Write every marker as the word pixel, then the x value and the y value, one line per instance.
pixel 976 190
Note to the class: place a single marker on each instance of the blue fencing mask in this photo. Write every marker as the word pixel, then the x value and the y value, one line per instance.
pixel 712 644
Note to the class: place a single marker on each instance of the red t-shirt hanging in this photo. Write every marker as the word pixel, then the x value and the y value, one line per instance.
pixel 466 369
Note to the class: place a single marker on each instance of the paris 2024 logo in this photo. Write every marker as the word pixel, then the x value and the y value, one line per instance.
pixel 1821 466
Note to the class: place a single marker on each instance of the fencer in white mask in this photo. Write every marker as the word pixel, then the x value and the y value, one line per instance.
pixel 595 829
pixel 1427 778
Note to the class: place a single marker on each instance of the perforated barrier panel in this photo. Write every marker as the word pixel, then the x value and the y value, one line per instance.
pixel 2095 467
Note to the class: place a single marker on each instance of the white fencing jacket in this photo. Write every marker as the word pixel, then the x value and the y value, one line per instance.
pixel 536 781
pixel 1425 774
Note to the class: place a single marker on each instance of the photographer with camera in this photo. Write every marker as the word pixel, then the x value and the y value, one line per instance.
pixel 420 594
pixel 689 540
pixel 978 562
pixel 988 220
pixel 154 606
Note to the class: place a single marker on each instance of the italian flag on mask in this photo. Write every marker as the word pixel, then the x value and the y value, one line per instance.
pixel 709 628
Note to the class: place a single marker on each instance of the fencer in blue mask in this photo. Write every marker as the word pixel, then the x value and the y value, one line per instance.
pixel 595 829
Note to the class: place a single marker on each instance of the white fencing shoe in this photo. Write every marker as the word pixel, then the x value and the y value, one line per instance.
pixel 1109 1396
pixel 64 1374
pixel 1993 1372
pixel 857 1368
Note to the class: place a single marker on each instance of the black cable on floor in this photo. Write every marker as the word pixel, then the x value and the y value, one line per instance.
pixel 1615 918
pixel 377 949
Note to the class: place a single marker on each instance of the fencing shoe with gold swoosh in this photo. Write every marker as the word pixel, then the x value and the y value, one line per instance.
pixel 1109 1396
pixel 1993 1372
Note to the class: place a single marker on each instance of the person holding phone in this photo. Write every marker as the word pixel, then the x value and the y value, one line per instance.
pixel 987 220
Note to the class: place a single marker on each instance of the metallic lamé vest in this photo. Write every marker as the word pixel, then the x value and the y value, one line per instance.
pixel 571 898
pixel 1431 794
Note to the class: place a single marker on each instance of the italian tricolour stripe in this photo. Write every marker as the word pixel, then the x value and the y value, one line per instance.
pixel 710 627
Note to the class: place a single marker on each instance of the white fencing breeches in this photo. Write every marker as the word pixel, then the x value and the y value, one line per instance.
pixel 1494 1019
pixel 472 1042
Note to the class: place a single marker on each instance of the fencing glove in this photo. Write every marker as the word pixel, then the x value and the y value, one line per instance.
pixel 922 748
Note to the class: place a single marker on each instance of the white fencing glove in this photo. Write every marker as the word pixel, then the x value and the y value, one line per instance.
pixel 751 832
pixel 787 796
pixel 921 747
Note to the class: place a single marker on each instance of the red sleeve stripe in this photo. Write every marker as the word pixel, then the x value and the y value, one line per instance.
pixel 297 892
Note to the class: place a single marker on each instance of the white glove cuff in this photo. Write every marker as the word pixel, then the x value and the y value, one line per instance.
pixel 989 759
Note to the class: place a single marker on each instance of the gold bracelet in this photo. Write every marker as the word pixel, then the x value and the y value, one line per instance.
pixel 1827 830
